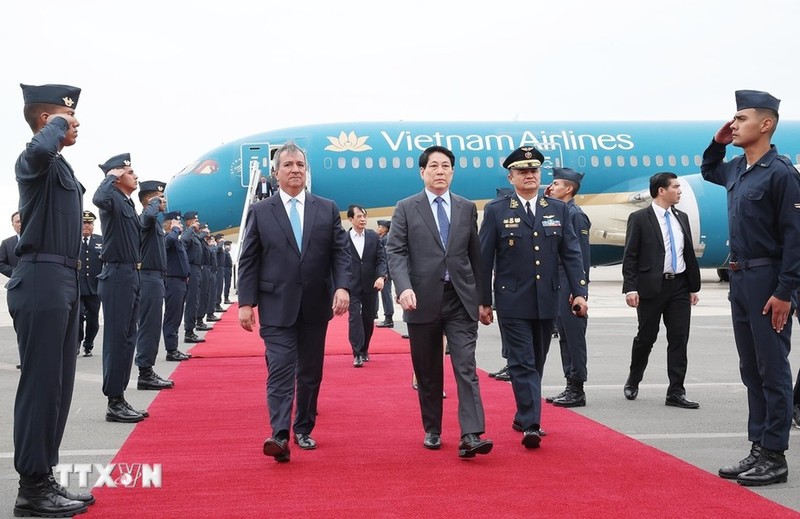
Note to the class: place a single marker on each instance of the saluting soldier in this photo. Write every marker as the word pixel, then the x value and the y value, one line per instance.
pixel 525 235
pixel 211 289
pixel 176 283
pixel 220 250
pixel 151 300
pixel 91 265
pixel 205 279
pixel 119 282
pixel 43 299
pixel 194 250
pixel 228 272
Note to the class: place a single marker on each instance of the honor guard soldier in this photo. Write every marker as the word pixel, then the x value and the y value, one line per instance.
pixel 119 282
pixel 151 300
pixel 220 250
pixel 571 327
pixel 386 292
pixel 211 290
pixel 228 272
pixel 525 236
pixel 194 250
pixel 176 282
pixel 43 300
pixel 764 224
pixel 205 281
pixel 91 265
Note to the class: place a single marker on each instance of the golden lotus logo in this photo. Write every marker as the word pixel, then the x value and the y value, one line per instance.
pixel 348 142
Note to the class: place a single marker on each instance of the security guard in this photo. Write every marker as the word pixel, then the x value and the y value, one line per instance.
pixel 571 328
pixel 43 299
pixel 764 224
pixel 525 235
pixel 220 250
pixel 194 250
pixel 91 265
pixel 119 282
pixel 176 282
pixel 151 300
pixel 386 293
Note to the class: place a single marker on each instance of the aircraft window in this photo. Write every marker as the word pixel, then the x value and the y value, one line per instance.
pixel 634 160
pixel 356 163
pixel 581 161
pixel 646 161
pixel 462 162
pixel 206 167
pixel 395 162
pixel 368 162
pixel 382 162
pixel 410 162
pixel 698 160
pixel 595 161
pixel 476 162
pixel 672 160
pixel 607 161
pixel 489 162
pixel 189 168
pixel 684 160
pixel 620 161
pixel 341 163
pixel 659 160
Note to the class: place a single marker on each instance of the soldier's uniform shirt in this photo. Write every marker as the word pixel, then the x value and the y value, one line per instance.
pixel 176 284
pixel 194 251
pixel 151 301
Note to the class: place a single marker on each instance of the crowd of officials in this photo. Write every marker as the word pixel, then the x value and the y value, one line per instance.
pixel 528 263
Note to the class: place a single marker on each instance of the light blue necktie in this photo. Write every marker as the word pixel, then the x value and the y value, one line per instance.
pixel 294 218
pixel 671 244
pixel 444 227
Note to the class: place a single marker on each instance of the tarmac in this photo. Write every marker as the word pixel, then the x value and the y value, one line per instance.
pixel 708 438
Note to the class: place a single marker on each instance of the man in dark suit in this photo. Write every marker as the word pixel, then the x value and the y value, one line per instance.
pixel 91 265
pixel 386 293
pixel 294 262
pixel 661 279
pixel 368 265
pixel 434 260
pixel 525 236
pixel 9 258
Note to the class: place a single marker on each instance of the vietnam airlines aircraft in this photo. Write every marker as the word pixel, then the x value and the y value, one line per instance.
pixel 374 164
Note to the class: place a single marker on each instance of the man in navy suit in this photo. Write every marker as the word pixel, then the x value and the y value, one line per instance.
pixel 661 280
pixel 9 258
pixel 295 266
pixel 525 236
pixel 91 266
pixel 369 274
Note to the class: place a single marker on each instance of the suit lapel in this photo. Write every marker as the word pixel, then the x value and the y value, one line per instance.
pixel 282 219
pixel 651 216
pixel 426 213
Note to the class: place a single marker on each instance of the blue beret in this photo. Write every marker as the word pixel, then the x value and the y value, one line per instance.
pixel 61 95
pixel 89 216
pixel 152 185
pixel 117 161
pixel 191 215
pixel 173 215
pixel 567 174
pixel 756 99
pixel 525 157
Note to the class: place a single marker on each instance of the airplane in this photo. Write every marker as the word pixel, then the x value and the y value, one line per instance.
pixel 374 164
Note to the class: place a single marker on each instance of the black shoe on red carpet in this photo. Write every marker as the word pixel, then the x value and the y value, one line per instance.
pixel 472 444
pixel 277 448
pixel 305 441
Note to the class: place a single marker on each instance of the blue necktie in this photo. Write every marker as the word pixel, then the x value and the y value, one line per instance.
pixel 294 218
pixel 444 223
pixel 671 244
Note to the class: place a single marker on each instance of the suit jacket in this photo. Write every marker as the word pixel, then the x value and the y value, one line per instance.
pixel 91 265
pixel 283 282
pixel 369 266
pixel 526 256
pixel 643 261
pixel 418 259
pixel 8 258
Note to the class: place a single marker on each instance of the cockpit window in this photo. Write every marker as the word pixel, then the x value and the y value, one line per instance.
pixel 201 167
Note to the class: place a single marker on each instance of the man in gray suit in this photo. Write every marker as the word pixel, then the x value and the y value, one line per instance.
pixel 434 259
pixel 9 258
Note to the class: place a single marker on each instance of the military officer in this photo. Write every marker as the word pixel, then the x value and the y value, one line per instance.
pixel 43 299
pixel 228 272
pixel 205 281
pixel 119 282
pixel 194 250
pixel 211 290
pixel 571 328
pixel 151 300
pixel 764 225
pixel 176 282
pixel 91 265
pixel 220 250
pixel 525 235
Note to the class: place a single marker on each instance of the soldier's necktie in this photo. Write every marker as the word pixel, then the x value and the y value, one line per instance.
pixel 672 250
pixel 528 210
pixel 294 218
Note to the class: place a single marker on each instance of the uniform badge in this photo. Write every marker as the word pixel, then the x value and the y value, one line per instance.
pixel 126 162
pixel 68 102
pixel 543 202
pixel 514 204
pixel 511 242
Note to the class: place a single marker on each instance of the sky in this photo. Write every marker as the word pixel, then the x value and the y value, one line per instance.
pixel 169 80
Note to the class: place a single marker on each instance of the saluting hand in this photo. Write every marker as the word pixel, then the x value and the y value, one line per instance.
pixel 341 301
pixel 724 135
pixel 247 318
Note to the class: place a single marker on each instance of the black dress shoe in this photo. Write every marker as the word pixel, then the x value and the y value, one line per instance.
pixel 681 401
pixel 796 415
pixel 150 381
pixel 141 412
pixel 385 324
pixel 178 356
pixel 503 376
pixel 733 471
pixel 501 370
pixel 531 438
pixel 472 444
pixel 770 468
pixel 213 318
pixel 358 361
pixel 118 411
pixel 404 336
pixel 189 339
pixel 218 309
pixel 227 302
pixel 87 353
pixel 433 441
pixel 305 441
pixel 550 399
pixel 277 448
pixel 365 357
pixel 37 498
pixel 631 392
pixel 83 497
pixel 203 327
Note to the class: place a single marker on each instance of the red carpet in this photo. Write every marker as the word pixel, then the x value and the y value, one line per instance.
pixel 208 432
pixel 228 339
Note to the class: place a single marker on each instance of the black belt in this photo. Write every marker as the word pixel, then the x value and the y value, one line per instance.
pixel 749 264
pixel 160 272
pixel 670 275
pixel 134 266
pixel 39 257
pixel 179 277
